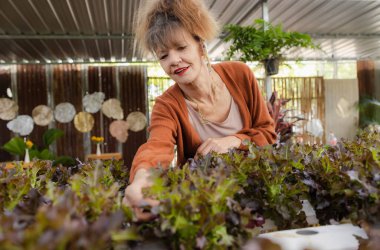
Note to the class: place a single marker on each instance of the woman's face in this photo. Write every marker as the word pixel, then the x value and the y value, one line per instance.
pixel 182 58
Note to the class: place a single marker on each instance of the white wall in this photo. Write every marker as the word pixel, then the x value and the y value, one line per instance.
pixel 341 113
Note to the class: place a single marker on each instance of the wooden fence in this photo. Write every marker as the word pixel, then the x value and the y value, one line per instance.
pixel 307 99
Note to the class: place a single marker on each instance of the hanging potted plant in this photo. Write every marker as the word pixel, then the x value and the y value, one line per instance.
pixel 264 42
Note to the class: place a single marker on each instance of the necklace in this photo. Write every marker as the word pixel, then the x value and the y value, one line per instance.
pixel 204 120
pixel 202 116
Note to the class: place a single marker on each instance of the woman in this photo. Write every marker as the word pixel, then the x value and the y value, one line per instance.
pixel 210 108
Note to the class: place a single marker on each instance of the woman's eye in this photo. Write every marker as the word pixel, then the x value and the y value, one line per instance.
pixel 163 57
pixel 182 47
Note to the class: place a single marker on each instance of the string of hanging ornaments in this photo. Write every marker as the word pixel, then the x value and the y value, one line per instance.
pixel 65 112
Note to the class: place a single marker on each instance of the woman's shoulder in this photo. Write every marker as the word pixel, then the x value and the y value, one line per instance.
pixel 232 65
pixel 239 72
pixel 170 95
pixel 170 99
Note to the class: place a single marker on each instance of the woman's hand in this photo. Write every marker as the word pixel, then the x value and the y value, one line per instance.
pixel 134 197
pixel 218 145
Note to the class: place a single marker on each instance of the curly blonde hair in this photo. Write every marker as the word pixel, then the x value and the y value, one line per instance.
pixel 158 19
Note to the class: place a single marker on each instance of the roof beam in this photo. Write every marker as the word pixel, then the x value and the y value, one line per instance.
pixel 129 36
pixel 345 35
pixel 58 37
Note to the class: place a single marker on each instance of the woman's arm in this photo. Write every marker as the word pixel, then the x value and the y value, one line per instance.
pixel 157 151
pixel 134 197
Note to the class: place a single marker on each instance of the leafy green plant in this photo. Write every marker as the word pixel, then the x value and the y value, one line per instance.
pixel 17 182
pixel 263 41
pixel 283 126
pixel 218 201
pixel 76 207
pixel 209 218
pixel 369 112
pixel 17 146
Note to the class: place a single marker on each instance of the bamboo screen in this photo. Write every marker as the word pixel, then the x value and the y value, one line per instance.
pixel 307 100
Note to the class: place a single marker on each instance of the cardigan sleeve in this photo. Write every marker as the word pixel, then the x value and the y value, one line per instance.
pixel 159 149
pixel 262 130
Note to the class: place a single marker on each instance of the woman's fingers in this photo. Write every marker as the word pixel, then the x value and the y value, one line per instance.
pixel 202 146
pixel 134 199
pixel 218 145
pixel 152 202
pixel 139 210
pixel 126 202
pixel 211 144
pixel 205 148
pixel 141 215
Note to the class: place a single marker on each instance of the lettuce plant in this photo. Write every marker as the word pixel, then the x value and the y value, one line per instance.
pixel 216 201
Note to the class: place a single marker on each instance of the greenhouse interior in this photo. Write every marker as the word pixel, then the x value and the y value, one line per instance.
pixel 84 111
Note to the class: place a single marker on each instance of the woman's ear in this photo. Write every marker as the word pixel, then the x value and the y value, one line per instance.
pixel 205 54
pixel 202 47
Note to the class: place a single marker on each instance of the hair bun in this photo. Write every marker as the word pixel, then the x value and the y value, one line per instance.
pixel 155 16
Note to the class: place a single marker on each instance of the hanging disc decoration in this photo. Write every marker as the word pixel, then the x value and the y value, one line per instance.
pixel 92 103
pixel 136 121
pixel 8 109
pixel 42 115
pixel 84 122
pixel 64 112
pixel 119 130
pixel 112 109
pixel 23 125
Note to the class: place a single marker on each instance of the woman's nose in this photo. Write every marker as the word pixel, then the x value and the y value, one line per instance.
pixel 175 59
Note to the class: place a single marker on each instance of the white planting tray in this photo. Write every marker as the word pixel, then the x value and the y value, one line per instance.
pixel 334 237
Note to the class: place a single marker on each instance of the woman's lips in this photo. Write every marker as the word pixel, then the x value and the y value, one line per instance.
pixel 181 71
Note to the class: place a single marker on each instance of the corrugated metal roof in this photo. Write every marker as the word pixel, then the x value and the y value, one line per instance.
pixel 101 30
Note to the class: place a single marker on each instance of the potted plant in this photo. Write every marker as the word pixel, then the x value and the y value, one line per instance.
pixel 283 124
pixel 22 147
pixel 264 42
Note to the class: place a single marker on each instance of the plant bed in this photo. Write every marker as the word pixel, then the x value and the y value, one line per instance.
pixel 216 202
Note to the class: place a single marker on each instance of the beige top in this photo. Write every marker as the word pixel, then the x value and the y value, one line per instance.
pixel 230 126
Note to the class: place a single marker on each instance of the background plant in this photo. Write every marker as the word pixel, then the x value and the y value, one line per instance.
pixel 369 112
pixel 17 146
pixel 262 41
pixel 283 124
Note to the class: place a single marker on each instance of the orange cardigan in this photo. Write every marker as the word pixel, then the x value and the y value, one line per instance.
pixel 170 123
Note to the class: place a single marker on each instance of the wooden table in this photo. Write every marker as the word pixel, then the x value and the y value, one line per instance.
pixel 106 156
pixel 12 164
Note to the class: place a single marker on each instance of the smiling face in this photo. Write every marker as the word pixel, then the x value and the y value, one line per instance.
pixel 181 58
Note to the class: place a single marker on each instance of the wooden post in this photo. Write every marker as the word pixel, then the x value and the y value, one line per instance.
pixel 367 90
pixel 268 82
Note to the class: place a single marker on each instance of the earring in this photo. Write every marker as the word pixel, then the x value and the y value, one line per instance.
pixel 204 48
